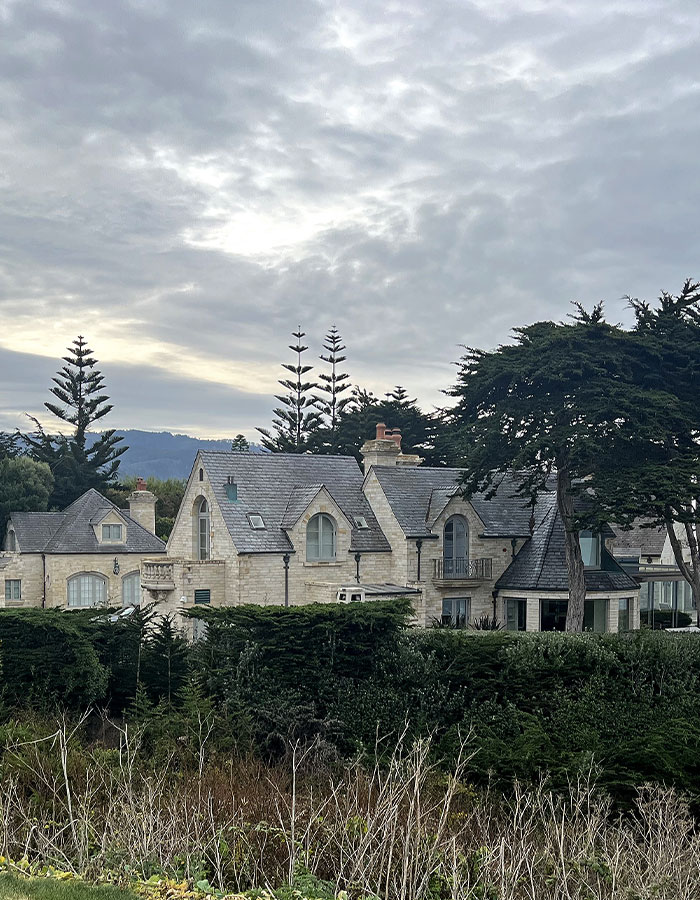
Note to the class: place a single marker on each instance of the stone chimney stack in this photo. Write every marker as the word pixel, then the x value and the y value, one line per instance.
pixel 142 506
pixel 382 451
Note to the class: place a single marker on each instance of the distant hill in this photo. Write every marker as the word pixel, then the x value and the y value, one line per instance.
pixel 165 455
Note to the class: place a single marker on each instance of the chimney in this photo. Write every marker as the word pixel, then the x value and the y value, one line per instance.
pixel 382 451
pixel 142 506
pixel 395 436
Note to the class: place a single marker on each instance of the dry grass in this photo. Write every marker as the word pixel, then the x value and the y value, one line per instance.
pixel 402 831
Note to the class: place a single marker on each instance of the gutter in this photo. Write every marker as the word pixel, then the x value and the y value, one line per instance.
pixel 43 593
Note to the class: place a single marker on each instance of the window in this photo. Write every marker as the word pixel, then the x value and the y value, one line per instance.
pixel 360 522
pixel 201 474
pixel 455 612
pixel 203 530
pixel 516 611
pixel 131 589
pixel 553 615
pixel 231 491
pixel 256 521
pixel 11 541
pixel 455 547
pixel 13 589
pixel 202 595
pixel 111 532
pixel 595 614
pixel 87 590
pixel 623 615
pixel 590 549
pixel 320 538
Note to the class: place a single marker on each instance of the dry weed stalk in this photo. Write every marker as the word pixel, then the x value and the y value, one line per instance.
pixel 400 830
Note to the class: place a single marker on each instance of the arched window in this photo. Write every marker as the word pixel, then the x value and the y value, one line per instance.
pixel 201 474
pixel 455 547
pixel 203 530
pixel 320 538
pixel 87 589
pixel 131 589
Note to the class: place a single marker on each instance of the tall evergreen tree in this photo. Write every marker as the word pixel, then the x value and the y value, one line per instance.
pixel 76 463
pixel 560 401
pixel 657 471
pixel 297 417
pixel 334 383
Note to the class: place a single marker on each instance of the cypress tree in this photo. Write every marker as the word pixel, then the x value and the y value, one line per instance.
pixel 297 417
pixel 76 464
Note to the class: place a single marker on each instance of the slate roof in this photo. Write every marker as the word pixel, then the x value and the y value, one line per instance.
pixel 71 531
pixel 649 541
pixel 414 494
pixel 541 564
pixel 275 485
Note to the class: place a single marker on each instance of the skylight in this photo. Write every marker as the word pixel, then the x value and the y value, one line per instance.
pixel 360 522
pixel 256 521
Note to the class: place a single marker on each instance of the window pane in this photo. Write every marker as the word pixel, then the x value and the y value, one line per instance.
pixel 327 538
pixel 590 547
pixel 131 585
pixel 553 615
pixel 515 614
pixel 13 589
pixel 594 615
pixel 623 616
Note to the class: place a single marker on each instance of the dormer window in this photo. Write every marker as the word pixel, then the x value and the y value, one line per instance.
pixel 590 549
pixel 257 522
pixel 111 533
pixel 360 522
pixel 11 540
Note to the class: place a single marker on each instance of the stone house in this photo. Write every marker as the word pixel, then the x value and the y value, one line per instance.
pixel 644 550
pixel 295 529
pixel 88 555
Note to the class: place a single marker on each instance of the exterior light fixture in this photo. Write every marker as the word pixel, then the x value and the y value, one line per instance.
pixel 115 567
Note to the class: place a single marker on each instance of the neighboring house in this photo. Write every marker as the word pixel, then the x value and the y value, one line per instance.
pixel 88 555
pixel 295 529
pixel 665 597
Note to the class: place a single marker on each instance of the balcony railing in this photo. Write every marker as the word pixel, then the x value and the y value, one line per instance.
pixel 158 575
pixel 462 568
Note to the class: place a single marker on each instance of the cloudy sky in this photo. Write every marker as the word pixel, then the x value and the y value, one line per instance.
pixel 185 182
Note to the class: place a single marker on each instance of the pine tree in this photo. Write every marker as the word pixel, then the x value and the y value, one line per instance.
pixel 297 418
pixel 335 383
pixel 240 444
pixel 76 464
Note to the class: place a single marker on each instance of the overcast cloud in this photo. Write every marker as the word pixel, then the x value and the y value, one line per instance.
pixel 183 183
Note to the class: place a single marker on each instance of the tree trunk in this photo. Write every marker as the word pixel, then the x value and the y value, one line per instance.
pixel 689 570
pixel 574 560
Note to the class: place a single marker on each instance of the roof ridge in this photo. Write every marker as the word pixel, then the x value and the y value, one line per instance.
pixel 553 513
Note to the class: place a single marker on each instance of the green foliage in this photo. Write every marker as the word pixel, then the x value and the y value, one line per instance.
pixel 24 485
pixel 168 493
pixel 76 468
pixel 240 444
pixel 297 417
pixel 55 889
pixel 49 660
pixel 341 677
pixel 358 420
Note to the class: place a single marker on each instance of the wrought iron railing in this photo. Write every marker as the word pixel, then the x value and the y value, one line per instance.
pixel 462 567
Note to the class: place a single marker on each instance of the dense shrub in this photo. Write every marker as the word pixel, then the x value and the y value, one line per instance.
pixel 342 676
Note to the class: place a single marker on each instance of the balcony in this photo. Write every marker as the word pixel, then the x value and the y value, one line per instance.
pixel 462 569
pixel 158 575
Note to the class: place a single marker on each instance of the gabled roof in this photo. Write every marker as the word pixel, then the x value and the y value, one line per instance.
pixel 414 494
pixel 279 487
pixel 71 531
pixel 541 563
pixel 649 541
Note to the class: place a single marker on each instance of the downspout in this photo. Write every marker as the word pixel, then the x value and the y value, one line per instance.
pixel 285 560
pixel 43 593
pixel 419 544
pixel 494 594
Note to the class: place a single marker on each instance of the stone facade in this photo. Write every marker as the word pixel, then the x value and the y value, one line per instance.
pixel 234 578
pixel 44 559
